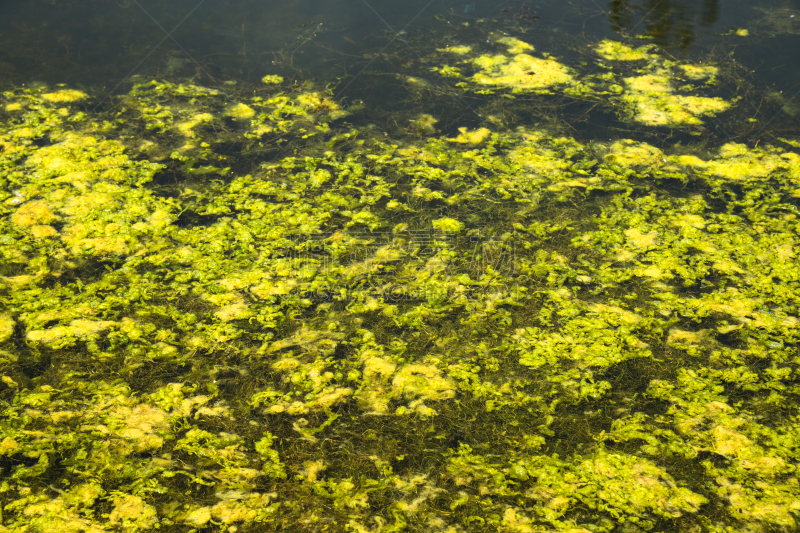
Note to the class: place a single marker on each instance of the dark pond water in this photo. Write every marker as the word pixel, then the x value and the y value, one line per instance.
pixel 362 50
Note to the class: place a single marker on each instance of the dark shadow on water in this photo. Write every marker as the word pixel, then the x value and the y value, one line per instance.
pixel 668 21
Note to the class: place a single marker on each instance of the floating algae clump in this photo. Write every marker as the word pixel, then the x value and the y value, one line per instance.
pixel 698 72
pixel 240 111
pixel 272 79
pixel 521 332
pixel 651 97
pixel 616 51
pixel 651 101
pixel 521 72
pixel 738 163
pixel 514 45
pixel 64 95
pixel 631 154
pixel 463 49
pixel 471 137
pixel 518 71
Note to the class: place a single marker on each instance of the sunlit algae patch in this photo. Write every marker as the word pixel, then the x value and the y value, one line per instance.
pixel 652 98
pixel 348 338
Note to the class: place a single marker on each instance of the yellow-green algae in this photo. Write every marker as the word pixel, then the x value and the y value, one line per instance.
pixel 290 350
pixel 477 136
pixel 519 71
pixel 699 72
pixel 651 101
pixel 272 79
pixel 462 49
pixel 617 51
pixel 652 98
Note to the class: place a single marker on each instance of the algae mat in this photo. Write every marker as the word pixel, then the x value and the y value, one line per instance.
pixel 495 331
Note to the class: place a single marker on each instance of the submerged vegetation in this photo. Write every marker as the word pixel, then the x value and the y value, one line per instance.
pixel 244 313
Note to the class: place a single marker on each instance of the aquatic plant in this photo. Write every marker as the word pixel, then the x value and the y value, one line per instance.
pixel 246 314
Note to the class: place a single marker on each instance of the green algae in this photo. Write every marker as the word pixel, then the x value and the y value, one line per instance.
pixel 617 51
pixel 652 97
pixel 651 101
pixel 371 335
pixel 519 71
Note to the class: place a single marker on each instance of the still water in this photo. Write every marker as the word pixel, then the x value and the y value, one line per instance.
pixel 100 46
pixel 376 266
